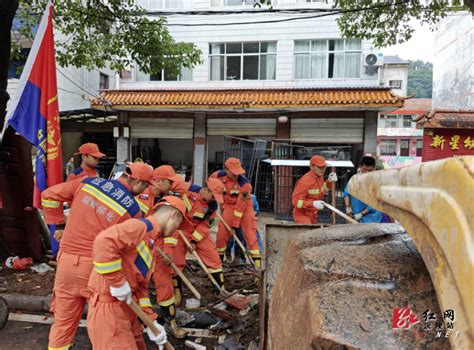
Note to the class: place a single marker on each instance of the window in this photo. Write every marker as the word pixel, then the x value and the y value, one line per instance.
pixel 407 121
pixel 216 3
pixel 185 74
pixel 321 59
pixel 404 147
pixel 389 121
pixel 419 147
pixel 243 61
pixel 395 84
pixel 162 4
pixel 388 147
pixel 103 81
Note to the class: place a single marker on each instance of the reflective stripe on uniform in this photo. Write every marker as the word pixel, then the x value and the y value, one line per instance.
pixel 214 270
pixel 313 191
pixel 145 253
pixel 168 302
pixel 108 267
pixel 61 348
pixel 199 215
pixel 143 207
pixel 324 188
pixel 197 236
pixel 186 201
pixel 144 302
pixel 255 252
pixel 300 203
pixel 238 213
pixel 234 192
pixel 171 240
pixel 221 250
pixel 49 203
pixel 105 199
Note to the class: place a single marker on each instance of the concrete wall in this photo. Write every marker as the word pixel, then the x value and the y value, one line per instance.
pixel 395 72
pixel 453 70
pixel 284 33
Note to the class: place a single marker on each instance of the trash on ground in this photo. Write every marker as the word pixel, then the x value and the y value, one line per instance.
pixel 42 268
pixel 17 263
pixel 184 318
pixel 192 345
pixel 192 303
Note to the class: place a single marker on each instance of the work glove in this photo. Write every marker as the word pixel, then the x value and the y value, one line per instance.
pixel 318 205
pixel 122 293
pixel 160 339
pixel 349 211
pixel 332 177
pixel 358 216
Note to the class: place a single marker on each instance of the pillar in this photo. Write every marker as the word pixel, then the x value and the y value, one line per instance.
pixel 123 144
pixel 370 133
pixel 199 155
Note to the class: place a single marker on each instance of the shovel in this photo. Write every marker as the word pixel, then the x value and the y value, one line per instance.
pixel 143 316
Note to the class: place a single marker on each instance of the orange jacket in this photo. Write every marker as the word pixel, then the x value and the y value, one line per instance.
pixel 82 172
pixel 200 213
pixel 308 189
pixel 126 252
pixel 96 205
pixel 180 187
pixel 237 194
pixel 146 201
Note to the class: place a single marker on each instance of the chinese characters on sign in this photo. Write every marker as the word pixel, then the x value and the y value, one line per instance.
pixel 455 142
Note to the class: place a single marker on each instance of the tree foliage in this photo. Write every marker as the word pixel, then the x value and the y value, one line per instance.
pixel 387 23
pixel 112 33
pixel 420 79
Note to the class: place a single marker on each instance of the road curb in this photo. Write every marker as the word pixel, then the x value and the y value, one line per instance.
pixel 26 302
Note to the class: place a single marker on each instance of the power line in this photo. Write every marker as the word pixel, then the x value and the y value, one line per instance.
pixel 73 82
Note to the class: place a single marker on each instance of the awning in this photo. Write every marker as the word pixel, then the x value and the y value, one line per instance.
pixel 249 99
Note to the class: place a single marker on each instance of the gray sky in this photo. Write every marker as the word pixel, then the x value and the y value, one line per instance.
pixel 419 47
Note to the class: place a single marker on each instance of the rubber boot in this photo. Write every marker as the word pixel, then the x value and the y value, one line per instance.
pixel 257 261
pixel 170 315
pixel 177 290
pixel 219 277
pixel 228 255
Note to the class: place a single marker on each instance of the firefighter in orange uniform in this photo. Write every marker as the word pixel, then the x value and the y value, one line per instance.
pixel 164 178
pixel 237 209
pixel 179 188
pixel 96 205
pixel 309 190
pixel 201 205
pixel 90 156
pixel 124 257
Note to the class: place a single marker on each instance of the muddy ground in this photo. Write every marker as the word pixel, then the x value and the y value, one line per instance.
pixel 238 333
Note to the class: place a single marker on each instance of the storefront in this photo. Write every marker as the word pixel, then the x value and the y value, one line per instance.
pixel 188 127
pixel 447 134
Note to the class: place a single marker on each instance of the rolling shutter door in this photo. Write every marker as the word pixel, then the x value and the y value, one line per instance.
pixel 168 128
pixel 242 127
pixel 323 130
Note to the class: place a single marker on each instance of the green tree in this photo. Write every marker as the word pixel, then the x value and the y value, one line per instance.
pixel 387 22
pixel 98 33
pixel 420 79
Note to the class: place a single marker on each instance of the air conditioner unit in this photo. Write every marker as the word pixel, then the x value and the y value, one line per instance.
pixel 373 60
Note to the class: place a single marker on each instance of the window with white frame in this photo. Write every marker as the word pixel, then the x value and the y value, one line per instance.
pixel 217 3
pixel 163 4
pixel 407 121
pixel 322 59
pixel 185 74
pixel 242 61
pixel 389 121
pixel 395 84
pixel 388 147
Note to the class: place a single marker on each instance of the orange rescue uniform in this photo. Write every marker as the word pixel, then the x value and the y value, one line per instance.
pixel 237 211
pixel 309 188
pixel 201 214
pixel 82 172
pixel 124 252
pixel 96 205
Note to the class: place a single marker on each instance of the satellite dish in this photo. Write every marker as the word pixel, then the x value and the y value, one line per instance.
pixel 370 59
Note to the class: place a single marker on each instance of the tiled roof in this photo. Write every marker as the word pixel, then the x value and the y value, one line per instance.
pixel 251 98
pixel 394 60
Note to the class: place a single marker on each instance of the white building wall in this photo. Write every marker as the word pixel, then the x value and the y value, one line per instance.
pixel 283 32
pixel 395 72
pixel 453 68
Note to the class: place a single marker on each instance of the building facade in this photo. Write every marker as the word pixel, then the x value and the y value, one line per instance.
pixel 279 75
pixel 394 74
pixel 399 141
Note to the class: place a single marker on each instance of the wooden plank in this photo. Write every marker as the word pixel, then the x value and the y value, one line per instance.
pixel 42 319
